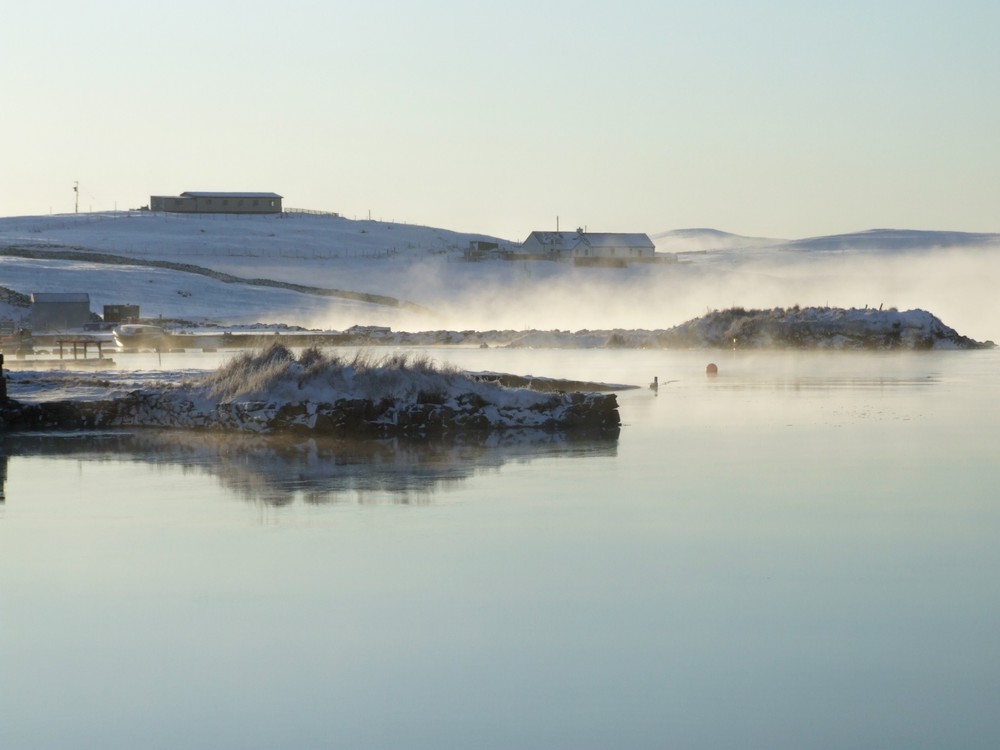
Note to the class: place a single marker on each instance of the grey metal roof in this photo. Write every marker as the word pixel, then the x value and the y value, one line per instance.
pixel 201 194
pixel 60 297
pixel 595 239
pixel 609 239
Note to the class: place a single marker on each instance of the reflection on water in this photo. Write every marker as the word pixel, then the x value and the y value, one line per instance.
pixel 798 553
pixel 829 382
pixel 277 470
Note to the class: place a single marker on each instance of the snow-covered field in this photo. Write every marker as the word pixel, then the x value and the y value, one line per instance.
pixel 952 275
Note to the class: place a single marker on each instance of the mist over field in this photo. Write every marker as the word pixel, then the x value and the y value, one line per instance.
pixel 957 285
pixel 952 275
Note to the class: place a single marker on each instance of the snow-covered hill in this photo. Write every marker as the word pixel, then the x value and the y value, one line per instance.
pixel 713 240
pixel 290 269
pixel 286 235
pixel 705 240
pixel 894 240
pixel 325 252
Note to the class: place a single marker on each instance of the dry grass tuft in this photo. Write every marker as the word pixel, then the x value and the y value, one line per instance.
pixel 277 370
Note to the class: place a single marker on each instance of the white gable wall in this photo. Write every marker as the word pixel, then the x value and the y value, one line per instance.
pixel 589 245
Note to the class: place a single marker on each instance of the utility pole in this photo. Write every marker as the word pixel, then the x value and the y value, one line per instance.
pixel 76 189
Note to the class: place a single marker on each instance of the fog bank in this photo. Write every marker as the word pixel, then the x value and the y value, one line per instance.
pixel 958 286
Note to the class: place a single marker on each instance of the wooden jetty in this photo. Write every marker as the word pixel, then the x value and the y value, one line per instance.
pixel 74 354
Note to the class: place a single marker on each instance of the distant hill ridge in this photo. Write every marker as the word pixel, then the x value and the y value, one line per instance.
pixel 705 239
pixel 124 232
pixel 895 239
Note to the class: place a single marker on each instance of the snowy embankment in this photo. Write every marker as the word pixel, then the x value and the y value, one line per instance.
pixel 275 391
pixel 819 328
pixel 777 328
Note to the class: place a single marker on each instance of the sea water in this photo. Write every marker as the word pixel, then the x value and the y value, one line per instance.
pixel 800 551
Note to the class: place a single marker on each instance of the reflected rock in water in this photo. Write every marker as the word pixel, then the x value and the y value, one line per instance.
pixel 277 470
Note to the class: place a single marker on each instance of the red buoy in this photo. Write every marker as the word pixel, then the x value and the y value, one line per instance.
pixel 712 369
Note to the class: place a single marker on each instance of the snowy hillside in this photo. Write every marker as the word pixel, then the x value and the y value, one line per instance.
pixel 890 240
pixel 147 234
pixel 894 240
pixel 704 240
pixel 331 273
pixel 325 252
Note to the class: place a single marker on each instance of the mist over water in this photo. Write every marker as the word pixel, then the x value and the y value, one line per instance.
pixel 426 267
pixel 817 519
pixel 956 285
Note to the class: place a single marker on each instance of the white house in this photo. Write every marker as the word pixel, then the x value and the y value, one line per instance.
pixel 582 245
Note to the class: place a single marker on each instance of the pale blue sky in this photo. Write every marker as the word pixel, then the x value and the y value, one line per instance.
pixel 773 118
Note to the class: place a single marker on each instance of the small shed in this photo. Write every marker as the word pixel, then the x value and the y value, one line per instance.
pixel 199 202
pixel 121 313
pixel 58 311
pixel 479 249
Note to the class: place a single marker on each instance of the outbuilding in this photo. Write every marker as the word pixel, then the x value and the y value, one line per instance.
pixel 196 202
pixel 59 311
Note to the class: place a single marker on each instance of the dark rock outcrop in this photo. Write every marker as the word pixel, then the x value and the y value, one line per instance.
pixel 576 413
pixel 819 328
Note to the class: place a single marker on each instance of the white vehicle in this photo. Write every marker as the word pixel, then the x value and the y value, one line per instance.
pixel 139 336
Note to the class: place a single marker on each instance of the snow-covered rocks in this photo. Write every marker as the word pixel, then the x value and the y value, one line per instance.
pixel 819 328
pixel 777 328
pixel 275 391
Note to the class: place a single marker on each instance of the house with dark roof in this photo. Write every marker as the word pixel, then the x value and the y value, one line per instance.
pixel 196 202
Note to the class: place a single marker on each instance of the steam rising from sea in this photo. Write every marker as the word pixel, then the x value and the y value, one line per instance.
pixel 957 285
pixel 425 266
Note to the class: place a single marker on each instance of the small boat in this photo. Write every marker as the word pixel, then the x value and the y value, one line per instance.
pixel 139 336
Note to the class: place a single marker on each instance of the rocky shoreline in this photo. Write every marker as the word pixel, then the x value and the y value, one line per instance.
pixel 577 413
pixel 829 328
pixel 284 397
pixel 832 328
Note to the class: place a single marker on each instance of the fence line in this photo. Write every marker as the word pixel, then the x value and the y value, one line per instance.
pixel 311 212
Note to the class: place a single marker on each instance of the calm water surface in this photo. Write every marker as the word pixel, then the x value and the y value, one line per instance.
pixel 801 552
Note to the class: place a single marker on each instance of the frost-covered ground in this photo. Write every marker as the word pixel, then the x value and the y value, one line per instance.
pixel 952 275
